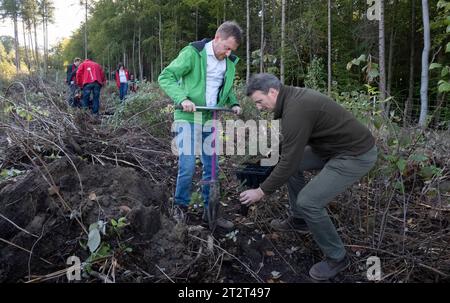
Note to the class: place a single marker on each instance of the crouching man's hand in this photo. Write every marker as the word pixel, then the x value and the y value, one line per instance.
pixel 251 196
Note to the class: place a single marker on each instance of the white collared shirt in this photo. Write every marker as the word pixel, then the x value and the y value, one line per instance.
pixel 122 76
pixel 215 72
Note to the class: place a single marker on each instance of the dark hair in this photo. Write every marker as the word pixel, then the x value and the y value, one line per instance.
pixel 262 82
pixel 77 59
pixel 230 29
pixel 120 65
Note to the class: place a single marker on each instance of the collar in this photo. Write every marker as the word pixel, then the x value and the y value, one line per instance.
pixel 209 49
pixel 278 111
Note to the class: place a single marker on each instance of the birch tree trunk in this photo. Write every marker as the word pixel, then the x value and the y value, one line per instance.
pixel 16 44
pixel 261 63
pixel 247 78
pixel 410 101
pixel 381 48
pixel 283 38
pixel 425 55
pixel 329 47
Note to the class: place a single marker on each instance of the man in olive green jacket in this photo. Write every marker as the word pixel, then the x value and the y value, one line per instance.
pixel 317 133
pixel 201 75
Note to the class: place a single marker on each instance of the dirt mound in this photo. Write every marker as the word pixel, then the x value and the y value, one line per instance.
pixel 47 220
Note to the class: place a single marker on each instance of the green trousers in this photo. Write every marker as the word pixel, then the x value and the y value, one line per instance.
pixel 309 201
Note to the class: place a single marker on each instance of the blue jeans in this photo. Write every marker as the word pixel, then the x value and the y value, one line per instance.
pixel 123 90
pixel 95 89
pixel 189 137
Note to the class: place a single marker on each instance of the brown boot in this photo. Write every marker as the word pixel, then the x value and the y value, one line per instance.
pixel 328 268
pixel 290 224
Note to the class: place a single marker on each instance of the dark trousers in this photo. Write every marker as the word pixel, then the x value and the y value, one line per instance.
pixel 95 89
pixel 309 200
pixel 73 90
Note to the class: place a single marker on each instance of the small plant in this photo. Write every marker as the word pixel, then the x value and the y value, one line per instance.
pixel 196 200
pixel 6 174
pixel 119 225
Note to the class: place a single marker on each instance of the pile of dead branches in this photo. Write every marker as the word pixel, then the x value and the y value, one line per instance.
pixel 38 132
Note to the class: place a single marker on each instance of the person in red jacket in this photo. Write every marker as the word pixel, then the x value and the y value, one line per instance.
pixel 90 77
pixel 122 77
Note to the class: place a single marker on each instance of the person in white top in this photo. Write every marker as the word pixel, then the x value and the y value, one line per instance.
pixel 122 77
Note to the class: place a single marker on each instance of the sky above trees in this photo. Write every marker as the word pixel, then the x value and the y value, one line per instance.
pixel 68 16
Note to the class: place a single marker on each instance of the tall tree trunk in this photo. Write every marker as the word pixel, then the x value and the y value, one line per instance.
pixel 133 51
pixel 141 68
pixel 224 10
pixel 329 47
pixel 16 44
pixel 390 67
pixel 283 38
pixel 30 43
pixel 45 55
pixel 46 43
pixel 85 29
pixel 27 58
pixel 247 78
pixel 425 54
pixel 261 63
pixel 410 100
pixel 36 49
pixel 109 63
pixel 160 41
pixel 196 22
pixel 381 47
pixel 124 55
pixel 391 55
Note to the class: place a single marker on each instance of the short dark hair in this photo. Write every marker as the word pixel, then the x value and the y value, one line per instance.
pixel 120 65
pixel 262 82
pixel 230 29
pixel 77 59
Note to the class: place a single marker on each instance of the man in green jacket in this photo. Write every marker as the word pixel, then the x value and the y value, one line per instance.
pixel 317 133
pixel 201 75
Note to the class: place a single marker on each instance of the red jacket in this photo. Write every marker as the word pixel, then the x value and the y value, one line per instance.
pixel 118 77
pixel 90 72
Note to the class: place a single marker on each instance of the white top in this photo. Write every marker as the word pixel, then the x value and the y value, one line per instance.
pixel 123 76
pixel 215 72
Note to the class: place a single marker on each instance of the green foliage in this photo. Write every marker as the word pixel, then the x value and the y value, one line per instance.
pixel 370 68
pixel 148 108
pixel 363 105
pixel 270 61
pixel 7 67
pixel 315 77
pixel 442 25
pixel 6 174
pixel 196 200
pixel 104 242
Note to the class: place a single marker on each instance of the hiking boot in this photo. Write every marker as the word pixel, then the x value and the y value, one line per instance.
pixel 220 222
pixel 328 268
pixel 290 224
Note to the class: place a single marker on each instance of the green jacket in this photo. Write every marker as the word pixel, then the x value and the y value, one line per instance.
pixel 185 78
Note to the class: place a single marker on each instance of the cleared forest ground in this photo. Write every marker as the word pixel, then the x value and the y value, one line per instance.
pixel 65 174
